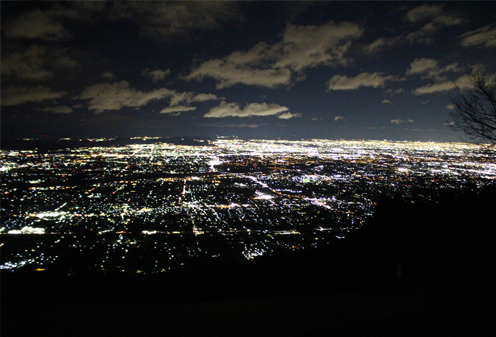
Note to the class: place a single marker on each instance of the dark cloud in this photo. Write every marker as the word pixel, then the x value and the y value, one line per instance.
pixel 190 97
pixel 433 18
pixel 288 115
pixel 429 69
pixel 310 46
pixel 485 37
pixel 400 121
pixel 36 25
pixel 59 109
pixel 236 125
pixel 426 20
pixel 229 73
pixel 36 63
pixel 109 74
pixel 253 109
pixel 177 109
pixel 462 82
pixel 49 24
pixel 270 66
pixel 424 12
pixel 382 43
pixel 155 74
pixel 375 80
pixel 15 95
pixel 162 19
pixel 104 96
pixel 395 92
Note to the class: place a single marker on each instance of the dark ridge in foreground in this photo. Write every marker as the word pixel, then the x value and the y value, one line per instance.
pixel 417 268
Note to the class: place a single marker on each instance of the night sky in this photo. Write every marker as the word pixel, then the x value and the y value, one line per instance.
pixel 289 70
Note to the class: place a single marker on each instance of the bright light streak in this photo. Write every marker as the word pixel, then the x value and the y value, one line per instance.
pixel 27 230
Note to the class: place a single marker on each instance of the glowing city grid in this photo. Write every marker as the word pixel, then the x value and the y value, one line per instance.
pixel 147 208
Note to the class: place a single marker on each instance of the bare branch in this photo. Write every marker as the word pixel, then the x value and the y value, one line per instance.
pixel 474 111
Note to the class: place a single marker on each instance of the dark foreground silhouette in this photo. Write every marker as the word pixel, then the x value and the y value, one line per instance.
pixel 421 266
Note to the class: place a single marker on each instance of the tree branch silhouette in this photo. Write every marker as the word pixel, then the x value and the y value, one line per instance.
pixel 474 110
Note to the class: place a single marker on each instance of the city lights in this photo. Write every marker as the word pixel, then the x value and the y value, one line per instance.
pixel 144 208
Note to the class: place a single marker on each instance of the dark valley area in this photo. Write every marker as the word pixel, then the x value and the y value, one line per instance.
pixel 414 268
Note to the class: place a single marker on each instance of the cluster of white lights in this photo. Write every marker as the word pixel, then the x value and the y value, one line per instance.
pixel 15 265
pixel 50 215
pixel 264 196
pixel 27 230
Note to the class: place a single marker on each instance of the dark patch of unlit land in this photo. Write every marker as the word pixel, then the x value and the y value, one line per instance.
pixel 400 311
pixel 416 269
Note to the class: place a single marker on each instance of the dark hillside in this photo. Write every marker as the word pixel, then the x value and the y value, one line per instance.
pixel 447 239
pixel 418 267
